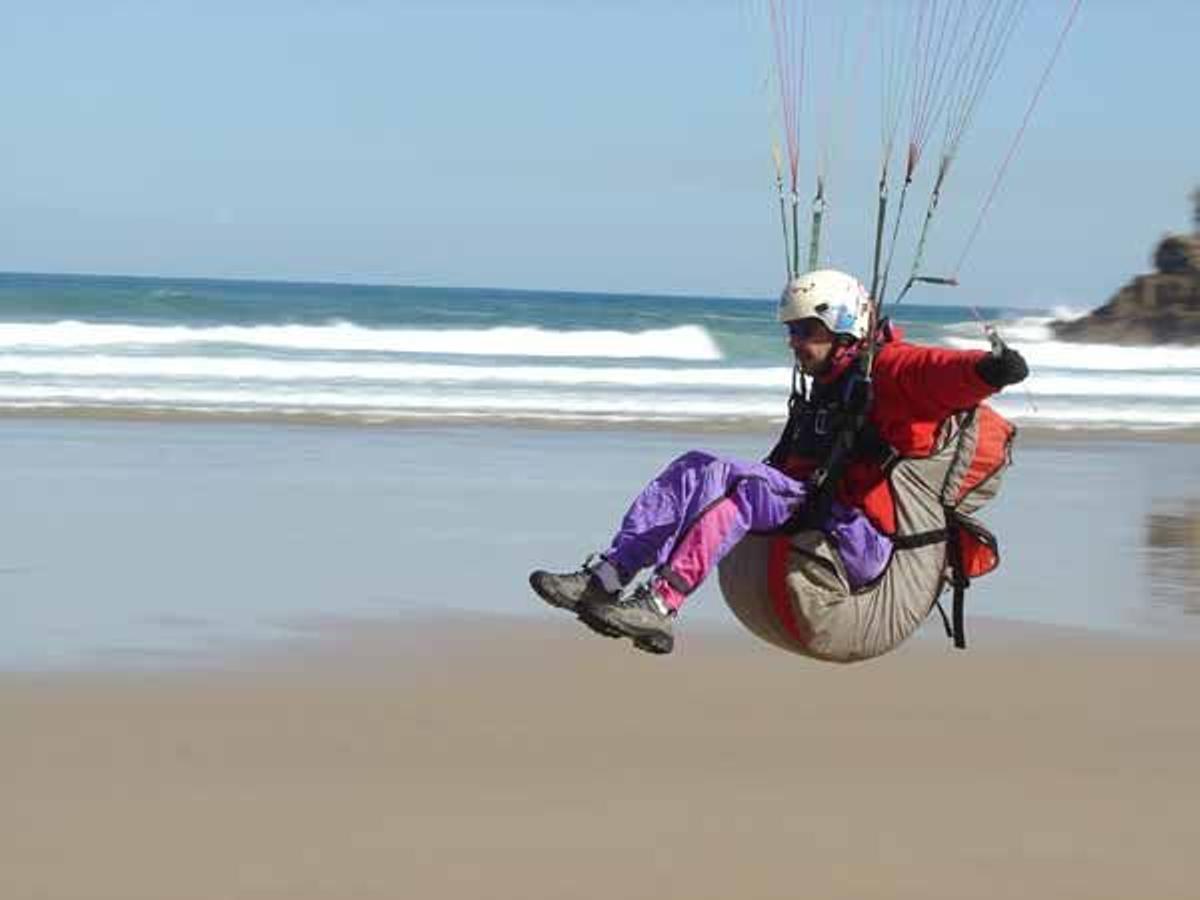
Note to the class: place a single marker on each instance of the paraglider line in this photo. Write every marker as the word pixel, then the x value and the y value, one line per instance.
pixel 1012 150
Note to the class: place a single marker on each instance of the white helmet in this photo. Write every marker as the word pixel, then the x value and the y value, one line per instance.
pixel 835 298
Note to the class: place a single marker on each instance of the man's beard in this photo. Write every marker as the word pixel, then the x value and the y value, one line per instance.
pixel 814 369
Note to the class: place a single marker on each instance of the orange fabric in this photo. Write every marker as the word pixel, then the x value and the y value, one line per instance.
pixel 777 572
pixel 978 558
pixel 864 486
pixel 991 450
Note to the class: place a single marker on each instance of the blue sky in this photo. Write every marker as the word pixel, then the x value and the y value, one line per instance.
pixel 609 146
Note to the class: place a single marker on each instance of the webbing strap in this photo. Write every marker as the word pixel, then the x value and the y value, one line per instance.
pixel 960 631
pixel 919 539
pixel 960 581
pixel 945 619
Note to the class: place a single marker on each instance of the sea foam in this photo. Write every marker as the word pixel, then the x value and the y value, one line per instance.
pixel 684 342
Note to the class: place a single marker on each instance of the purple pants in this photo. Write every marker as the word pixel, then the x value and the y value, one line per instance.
pixel 697 508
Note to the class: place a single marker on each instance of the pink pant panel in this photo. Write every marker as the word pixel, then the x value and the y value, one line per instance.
pixel 700 549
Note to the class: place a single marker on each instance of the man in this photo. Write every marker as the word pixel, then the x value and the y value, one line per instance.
pixel 826 472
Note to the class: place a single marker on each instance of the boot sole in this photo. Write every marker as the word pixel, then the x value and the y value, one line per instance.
pixel 648 642
pixel 550 599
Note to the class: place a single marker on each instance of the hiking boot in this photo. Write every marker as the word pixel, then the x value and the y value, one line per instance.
pixel 641 616
pixel 568 590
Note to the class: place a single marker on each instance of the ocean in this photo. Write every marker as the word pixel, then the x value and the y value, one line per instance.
pixel 136 533
pixel 165 347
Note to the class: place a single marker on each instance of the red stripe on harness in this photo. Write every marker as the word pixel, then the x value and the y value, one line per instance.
pixel 777 572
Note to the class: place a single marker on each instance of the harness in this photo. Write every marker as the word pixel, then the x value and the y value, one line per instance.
pixel 827 422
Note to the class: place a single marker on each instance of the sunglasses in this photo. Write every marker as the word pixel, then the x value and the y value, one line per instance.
pixel 805 328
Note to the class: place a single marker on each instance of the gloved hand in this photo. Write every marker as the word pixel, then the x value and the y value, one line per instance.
pixel 1002 367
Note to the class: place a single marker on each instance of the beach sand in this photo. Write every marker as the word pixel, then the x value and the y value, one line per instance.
pixel 277 661
pixel 469 756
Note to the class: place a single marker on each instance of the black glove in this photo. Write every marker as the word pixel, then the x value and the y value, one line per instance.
pixel 1000 369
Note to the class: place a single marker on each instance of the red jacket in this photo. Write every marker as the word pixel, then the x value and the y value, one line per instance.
pixel 915 389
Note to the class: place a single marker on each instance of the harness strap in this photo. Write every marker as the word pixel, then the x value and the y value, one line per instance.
pixel 960 628
pixel 960 580
pixel 945 619
pixel 920 539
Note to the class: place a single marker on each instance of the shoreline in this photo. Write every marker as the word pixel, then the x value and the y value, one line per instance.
pixel 1037 435
pixel 332 643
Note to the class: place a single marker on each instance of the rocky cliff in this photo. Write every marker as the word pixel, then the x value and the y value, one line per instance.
pixel 1162 308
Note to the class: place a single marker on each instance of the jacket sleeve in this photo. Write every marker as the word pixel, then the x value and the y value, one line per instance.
pixel 934 382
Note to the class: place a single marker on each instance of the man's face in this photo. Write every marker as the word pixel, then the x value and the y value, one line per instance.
pixel 812 344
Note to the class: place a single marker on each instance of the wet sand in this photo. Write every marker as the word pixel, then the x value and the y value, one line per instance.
pixel 153 539
pixel 492 756
pixel 766 430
